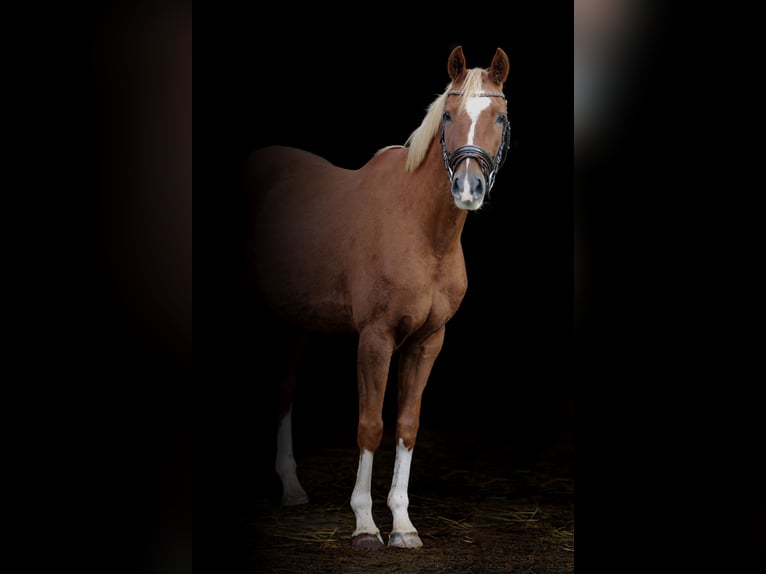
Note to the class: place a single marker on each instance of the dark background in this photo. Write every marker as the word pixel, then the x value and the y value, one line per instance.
pixel 667 382
pixel 344 90
pixel 653 319
pixel 666 312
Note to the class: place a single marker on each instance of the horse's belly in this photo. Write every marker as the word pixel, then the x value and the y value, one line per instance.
pixel 327 315
pixel 300 244
pixel 303 291
pixel 308 292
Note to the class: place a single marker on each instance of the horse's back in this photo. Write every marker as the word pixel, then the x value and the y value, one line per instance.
pixel 276 167
pixel 301 216
pixel 273 161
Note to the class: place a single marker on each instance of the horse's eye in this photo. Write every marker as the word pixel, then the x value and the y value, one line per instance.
pixel 501 119
pixel 447 117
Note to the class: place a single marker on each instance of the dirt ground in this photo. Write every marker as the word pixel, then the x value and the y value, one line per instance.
pixel 479 506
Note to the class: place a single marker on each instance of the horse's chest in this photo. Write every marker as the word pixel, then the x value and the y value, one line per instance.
pixel 446 296
pixel 438 302
pixel 409 297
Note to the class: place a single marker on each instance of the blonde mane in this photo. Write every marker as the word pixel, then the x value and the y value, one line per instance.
pixel 421 138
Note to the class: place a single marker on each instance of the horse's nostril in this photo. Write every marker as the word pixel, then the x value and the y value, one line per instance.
pixel 457 185
pixel 478 187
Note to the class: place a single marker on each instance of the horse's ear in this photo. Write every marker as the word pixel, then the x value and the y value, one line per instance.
pixel 456 65
pixel 498 69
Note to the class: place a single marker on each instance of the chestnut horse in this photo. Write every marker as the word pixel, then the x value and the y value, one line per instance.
pixel 377 251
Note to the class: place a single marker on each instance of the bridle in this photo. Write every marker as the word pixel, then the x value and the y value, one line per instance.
pixel 489 167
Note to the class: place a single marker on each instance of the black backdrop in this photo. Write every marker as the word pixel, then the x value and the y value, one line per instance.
pixel 343 89
pixel 665 268
pixel 335 84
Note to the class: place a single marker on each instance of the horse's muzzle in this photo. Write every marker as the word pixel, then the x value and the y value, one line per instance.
pixel 468 190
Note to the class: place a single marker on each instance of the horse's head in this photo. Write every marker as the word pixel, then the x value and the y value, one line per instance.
pixel 475 132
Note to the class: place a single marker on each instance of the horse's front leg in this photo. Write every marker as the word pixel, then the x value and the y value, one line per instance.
pixel 374 358
pixel 415 363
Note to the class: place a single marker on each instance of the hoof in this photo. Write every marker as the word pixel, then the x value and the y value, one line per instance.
pixel 404 540
pixel 367 541
pixel 294 498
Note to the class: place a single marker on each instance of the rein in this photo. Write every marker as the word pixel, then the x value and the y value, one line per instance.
pixel 489 167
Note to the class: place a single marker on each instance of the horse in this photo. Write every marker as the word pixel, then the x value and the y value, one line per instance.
pixel 377 251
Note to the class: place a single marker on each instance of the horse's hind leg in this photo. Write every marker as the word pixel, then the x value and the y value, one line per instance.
pixel 415 363
pixel 292 491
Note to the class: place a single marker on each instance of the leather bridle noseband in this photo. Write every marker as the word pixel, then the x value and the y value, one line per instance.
pixel 489 167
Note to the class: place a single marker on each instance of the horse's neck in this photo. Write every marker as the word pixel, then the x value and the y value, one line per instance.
pixel 442 218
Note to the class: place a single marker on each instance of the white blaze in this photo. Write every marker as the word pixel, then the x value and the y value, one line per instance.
pixel 474 106
pixel 398 500
pixel 361 498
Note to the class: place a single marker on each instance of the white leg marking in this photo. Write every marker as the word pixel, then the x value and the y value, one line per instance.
pixel 361 498
pixel 398 500
pixel 474 106
pixel 292 491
